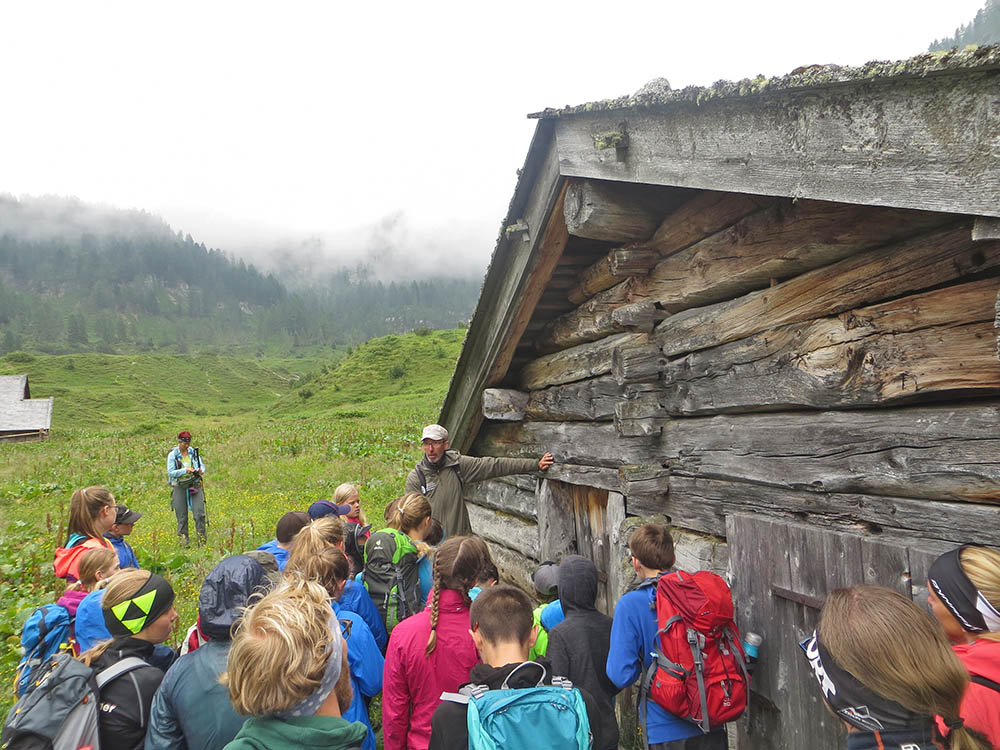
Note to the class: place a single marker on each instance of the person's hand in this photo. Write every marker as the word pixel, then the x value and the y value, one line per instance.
pixel 545 462
pixel 189 470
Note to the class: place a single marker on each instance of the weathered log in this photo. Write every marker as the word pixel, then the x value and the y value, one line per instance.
pixel 887 272
pixel 703 504
pixel 984 228
pixel 700 552
pixel 617 265
pixel 589 476
pixel 932 452
pixel 588 322
pixel 651 480
pixel 504 528
pixel 911 348
pixel 590 400
pixel 577 363
pixel 642 415
pixel 504 404
pixel 620 570
pixel 639 316
pixel 613 212
pixel 506 497
pixel 780 242
pixel 637 363
pixel 702 216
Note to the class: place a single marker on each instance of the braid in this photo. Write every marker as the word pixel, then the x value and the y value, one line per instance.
pixel 432 638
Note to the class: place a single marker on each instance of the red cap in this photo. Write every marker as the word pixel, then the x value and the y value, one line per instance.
pixel 183 435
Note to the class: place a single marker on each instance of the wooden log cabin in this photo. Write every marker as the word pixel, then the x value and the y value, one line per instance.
pixel 763 311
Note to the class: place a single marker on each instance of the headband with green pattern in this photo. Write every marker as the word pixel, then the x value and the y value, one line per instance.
pixel 144 607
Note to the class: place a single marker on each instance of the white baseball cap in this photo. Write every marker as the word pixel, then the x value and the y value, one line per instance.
pixel 434 432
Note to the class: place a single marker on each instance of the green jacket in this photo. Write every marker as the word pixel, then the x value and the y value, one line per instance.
pixel 327 732
pixel 445 484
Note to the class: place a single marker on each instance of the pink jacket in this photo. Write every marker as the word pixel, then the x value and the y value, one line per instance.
pixel 412 679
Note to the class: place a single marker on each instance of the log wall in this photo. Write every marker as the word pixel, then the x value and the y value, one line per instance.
pixel 806 362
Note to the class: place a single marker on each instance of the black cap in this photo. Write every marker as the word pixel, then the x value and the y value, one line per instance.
pixel 124 515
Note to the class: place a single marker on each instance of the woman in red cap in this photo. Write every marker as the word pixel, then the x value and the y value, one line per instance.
pixel 184 472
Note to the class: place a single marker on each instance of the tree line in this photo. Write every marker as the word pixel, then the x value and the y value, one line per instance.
pixel 134 284
pixel 983 29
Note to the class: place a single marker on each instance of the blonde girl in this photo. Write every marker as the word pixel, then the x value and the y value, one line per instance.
pixel 877 649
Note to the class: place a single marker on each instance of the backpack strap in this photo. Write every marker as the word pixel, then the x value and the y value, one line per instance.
pixel 695 642
pixel 466 693
pixel 116 670
pixel 985 682
pixel 422 478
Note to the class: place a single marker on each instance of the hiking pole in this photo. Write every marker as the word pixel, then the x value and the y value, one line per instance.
pixel 196 459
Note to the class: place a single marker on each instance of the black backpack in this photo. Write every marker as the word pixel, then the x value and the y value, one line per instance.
pixel 392 576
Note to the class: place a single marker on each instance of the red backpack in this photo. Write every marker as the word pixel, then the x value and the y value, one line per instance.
pixel 699 671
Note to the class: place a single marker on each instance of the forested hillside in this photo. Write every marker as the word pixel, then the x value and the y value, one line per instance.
pixel 983 29
pixel 75 277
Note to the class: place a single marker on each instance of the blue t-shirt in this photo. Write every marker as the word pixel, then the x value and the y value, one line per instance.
pixel 633 630
pixel 356 599
pixel 281 555
pixel 367 663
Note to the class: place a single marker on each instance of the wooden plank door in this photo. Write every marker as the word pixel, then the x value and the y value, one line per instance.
pixel 574 519
pixel 782 573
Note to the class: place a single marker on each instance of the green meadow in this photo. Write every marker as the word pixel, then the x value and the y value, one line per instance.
pixel 275 434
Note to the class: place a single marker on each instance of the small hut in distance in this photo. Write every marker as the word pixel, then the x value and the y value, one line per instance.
pixel 22 418
pixel 763 312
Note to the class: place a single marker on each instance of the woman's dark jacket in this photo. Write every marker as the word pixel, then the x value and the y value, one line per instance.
pixel 125 702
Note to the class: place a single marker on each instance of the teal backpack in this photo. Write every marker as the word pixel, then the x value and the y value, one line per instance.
pixel 541 716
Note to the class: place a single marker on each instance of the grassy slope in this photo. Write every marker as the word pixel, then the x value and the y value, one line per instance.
pixel 268 450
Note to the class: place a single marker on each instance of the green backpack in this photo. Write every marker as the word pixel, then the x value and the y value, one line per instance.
pixel 392 576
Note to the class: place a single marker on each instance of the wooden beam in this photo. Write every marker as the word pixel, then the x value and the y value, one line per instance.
pixel 779 242
pixel 702 216
pixel 915 347
pixel 920 263
pixel 505 497
pixel 922 142
pixel 556 521
pixel 703 504
pixel 616 212
pixel 986 228
pixel 619 264
pixel 934 452
pixel 588 400
pixel 503 528
pixel 782 241
pixel 641 362
pixel 577 363
pixel 504 404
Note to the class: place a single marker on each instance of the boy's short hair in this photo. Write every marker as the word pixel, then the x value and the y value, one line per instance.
pixel 502 614
pixel 488 573
pixel 652 545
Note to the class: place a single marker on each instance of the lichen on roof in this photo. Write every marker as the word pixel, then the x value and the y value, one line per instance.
pixel 657 93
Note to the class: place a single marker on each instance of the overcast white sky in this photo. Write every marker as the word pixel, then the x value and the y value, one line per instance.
pixel 251 124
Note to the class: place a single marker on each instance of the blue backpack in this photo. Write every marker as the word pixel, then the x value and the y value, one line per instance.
pixel 47 631
pixel 541 716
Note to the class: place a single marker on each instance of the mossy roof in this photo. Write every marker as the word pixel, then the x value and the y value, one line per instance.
pixel 658 95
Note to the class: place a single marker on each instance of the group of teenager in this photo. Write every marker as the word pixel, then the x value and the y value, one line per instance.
pixel 295 639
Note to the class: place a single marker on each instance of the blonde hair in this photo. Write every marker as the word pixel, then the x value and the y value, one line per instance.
pixel 982 566
pixel 345 492
pixel 328 567
pixel 84 507
pixel 318 535
pixel 280 648
pixel 410 511
pixel 121 588
pixel 456 566
pixel 898 650
pixel 92 562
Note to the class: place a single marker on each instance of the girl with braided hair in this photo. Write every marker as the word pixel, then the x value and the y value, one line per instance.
pixel 432 651
pixel 886 670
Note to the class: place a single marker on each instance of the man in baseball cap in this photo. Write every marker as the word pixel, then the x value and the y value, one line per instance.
pixel 443 474
pixel 124 521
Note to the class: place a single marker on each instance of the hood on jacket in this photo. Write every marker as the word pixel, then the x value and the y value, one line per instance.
pixel 493 677
pixel 225 592
pixel 450 458
pixel 981 657
pixel 268 733
pixel 577 584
